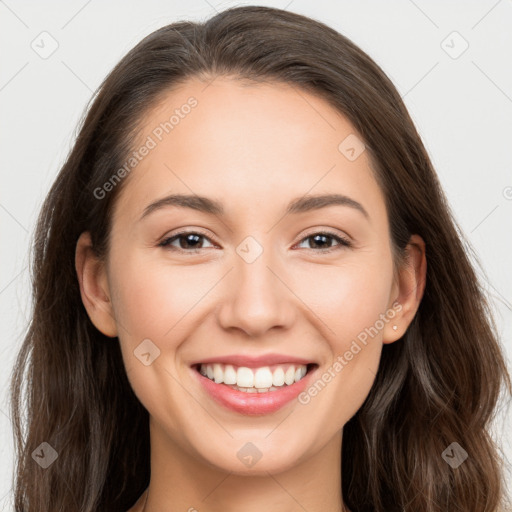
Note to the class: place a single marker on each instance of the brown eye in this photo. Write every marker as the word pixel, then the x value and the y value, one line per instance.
pixel 323 241
pixel 189 241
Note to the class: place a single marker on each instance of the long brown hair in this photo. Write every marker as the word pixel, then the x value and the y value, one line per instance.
pixel 438 385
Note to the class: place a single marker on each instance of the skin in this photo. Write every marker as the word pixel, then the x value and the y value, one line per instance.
pixel 254 148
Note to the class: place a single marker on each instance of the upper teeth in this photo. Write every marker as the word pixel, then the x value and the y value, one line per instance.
pixel 254 377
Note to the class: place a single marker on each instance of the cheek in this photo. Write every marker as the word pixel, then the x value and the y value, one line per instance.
pixel 151 302
pixel 152 298
pixel 349 302
pixel 346 299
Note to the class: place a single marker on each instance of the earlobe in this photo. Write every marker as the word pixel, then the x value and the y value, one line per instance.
pixel 94 289
pixel 408 290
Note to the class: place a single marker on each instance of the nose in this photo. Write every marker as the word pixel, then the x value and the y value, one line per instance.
pixel 257 297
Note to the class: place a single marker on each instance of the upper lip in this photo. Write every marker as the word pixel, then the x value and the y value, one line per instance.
pixel 254 361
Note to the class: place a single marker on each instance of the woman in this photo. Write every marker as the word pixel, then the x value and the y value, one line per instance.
pixel 233 306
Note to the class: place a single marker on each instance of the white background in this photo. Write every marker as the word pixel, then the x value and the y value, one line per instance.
pixel 462 107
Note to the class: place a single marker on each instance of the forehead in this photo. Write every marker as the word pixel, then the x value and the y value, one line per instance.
pixel 252 146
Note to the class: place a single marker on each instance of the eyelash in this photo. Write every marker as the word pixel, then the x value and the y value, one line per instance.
pixel 343 242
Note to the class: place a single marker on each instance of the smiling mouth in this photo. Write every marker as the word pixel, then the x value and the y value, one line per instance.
pixel 255 380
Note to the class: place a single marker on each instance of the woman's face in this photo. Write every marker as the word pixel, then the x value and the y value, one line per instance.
pixel 256 279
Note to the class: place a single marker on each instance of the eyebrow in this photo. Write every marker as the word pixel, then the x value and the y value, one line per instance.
pixel 214 207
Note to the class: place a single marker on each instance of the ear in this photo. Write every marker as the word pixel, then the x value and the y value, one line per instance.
pixel 94 287
pixel 407 290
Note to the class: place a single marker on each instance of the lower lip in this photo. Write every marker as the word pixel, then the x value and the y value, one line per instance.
pixel 253 403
